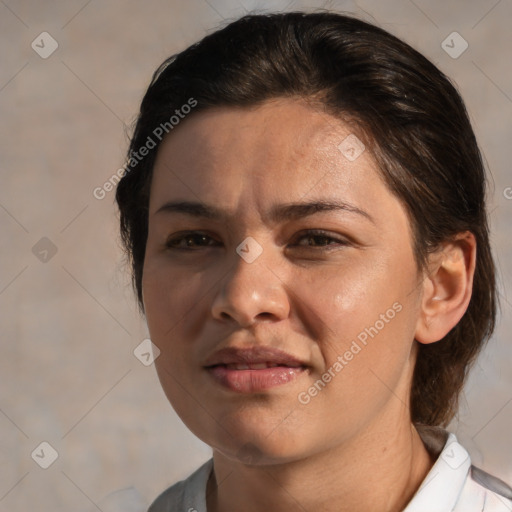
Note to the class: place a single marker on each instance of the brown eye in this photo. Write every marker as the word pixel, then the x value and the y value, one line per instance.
pixel 190 241
pixel 318 238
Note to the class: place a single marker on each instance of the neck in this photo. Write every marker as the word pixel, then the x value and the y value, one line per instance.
pixel 378 470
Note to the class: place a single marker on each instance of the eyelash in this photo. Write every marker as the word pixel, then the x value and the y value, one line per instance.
pixel 311 233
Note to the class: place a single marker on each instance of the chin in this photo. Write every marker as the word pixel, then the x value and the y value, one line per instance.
pixel 254 452
pixel 255 442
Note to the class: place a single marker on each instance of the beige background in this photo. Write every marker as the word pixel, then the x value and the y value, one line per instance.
pixel 68 375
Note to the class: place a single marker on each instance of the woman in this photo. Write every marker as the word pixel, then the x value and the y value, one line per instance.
pixel 304 209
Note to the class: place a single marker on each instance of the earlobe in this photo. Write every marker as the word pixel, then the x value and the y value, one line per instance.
pixel 447 288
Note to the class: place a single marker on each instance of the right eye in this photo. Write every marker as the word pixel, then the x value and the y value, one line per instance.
pixel 187 241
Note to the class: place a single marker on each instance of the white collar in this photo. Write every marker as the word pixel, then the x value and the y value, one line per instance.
pixel 441 488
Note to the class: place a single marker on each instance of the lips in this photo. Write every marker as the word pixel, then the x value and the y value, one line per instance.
pixel 253 369
pixel 253 355
pixel 257 366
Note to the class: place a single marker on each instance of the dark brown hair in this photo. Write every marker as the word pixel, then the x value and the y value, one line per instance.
pixel 406 111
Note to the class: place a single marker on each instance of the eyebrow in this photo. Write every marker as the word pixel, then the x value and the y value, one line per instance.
pixel 279 213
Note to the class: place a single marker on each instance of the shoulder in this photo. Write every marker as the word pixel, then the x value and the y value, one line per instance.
pixel 188 495
pixel 170 499
pixel 454 483
pixel 494 494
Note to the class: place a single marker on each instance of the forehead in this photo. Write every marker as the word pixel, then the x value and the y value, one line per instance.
pixel 281 127
pixel 282 146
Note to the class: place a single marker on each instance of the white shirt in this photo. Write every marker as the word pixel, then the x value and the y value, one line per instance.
pixel 452 484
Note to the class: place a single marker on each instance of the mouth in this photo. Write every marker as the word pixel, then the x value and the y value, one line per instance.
pixel 254 369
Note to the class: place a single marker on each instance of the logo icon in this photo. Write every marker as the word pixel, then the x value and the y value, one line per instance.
pixel 44 250
pixel 249 249
pixel 146 352
pixel 454 45
pixel 351 147
pixel 454 455
pixel 44 45
pixel 45 455
pixel 249 453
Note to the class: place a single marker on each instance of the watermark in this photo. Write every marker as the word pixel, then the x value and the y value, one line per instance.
pixel 146 352
pixel 249 454
pixel 356 346
pixel 351 147
pixel 44 45
pixel 109 185
pixel 454 45
pixel 454 455
pixel 507 193
pixel 151 142
pixel 44 250
pixel 44 455
pixel 249 249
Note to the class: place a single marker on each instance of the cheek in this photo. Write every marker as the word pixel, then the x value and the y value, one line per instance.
pixel 348 298
pixel 174 310
pixel 364 320
pixel 172 299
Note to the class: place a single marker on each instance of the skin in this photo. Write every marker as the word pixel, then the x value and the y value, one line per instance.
pixel 353 443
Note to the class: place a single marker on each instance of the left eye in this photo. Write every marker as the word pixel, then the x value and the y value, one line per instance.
pixel 319 239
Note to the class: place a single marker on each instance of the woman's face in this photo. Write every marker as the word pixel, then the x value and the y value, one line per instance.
pixel 334 288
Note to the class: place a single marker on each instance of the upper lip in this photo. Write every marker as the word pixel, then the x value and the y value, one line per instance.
pixel 252 355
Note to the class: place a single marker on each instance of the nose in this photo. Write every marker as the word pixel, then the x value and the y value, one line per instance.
pixel 251 292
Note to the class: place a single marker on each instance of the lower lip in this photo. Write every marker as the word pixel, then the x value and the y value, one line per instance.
pixel 252 381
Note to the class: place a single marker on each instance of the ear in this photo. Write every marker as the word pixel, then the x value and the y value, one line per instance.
pixel 447 288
